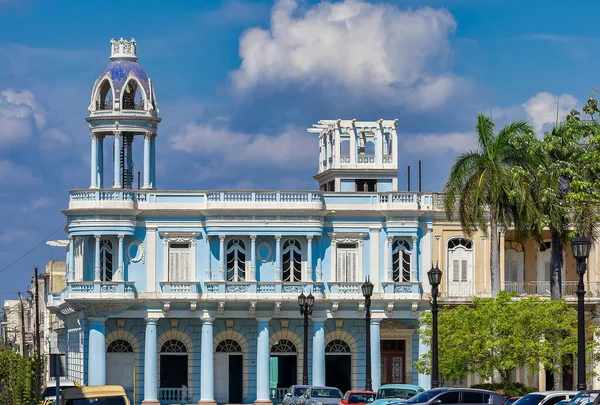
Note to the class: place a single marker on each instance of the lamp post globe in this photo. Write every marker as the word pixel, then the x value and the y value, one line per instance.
pixel 580 247
pixel 435 278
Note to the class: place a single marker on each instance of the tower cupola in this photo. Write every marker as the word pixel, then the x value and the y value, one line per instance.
pixel 123 106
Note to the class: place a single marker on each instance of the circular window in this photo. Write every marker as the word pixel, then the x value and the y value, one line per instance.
pixel 135 251
pixel 265 251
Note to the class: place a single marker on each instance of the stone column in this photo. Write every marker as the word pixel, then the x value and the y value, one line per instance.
pixel 320 260
pixel 222 257
pixel 390 254
pixel 378 143
pixel 96 352
pixel 121 264
pixel 309 258
pixel 278 258
pixel 147 147
pixel 375 354
pixel 207 359
pixel 252 276
pixel 94 162
pixel 71 272
pixel 150 364
pixel 117 161
pixel 414 272
pixel 153 162
pixel 329 149
pixel 97 275
pixel 318 346
pixel 100 161
pixel 208 260
pixel 353 145
pixel 262 362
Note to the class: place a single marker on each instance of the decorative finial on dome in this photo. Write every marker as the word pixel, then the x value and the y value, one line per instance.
pixel 122 49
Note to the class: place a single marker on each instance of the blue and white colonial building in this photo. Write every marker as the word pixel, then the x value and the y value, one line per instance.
pixel 199 288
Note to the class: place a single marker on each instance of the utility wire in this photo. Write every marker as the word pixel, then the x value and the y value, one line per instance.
pixel 32 249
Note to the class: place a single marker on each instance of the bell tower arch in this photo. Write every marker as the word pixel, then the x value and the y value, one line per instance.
pixel 123 108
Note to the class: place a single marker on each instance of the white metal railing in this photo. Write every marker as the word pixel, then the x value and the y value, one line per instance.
pixel 277 394
pixel 398 198
pixel 568 288
pixel 264 196
pixel 345 287
pixel 466 289
pixel 175 395
pixel 179 287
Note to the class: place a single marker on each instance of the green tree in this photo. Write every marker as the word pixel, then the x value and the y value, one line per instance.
pixel 503 334
pixel 483 187
pixel 17 379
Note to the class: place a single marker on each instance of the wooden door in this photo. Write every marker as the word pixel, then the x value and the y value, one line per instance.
pixel 393 367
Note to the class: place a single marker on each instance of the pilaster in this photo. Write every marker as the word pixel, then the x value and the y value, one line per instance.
pixel 117 160
pixel 278 257
pixel 375 354
pixel 222 257
pixel 262 362
pixel 207 360
pixel 97 274
pixel 318 359
pixel 252 276
pixel 150 363
pixel 97 352
pixel 94 162
pixel 309 258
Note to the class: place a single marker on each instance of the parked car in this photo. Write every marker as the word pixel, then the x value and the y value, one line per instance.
pixel 96 395
pixel 295 392
pixel 511 400
pixel 357 398
pixel 461 396
pixel 585 397
pixel 395 393
pixel 50 390
pixel 320 396
pixel 546 397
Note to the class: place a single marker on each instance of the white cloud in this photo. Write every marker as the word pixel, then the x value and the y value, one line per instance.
pixel 541 109
pixel 14 175
pixel 292 148
pixel 366 48
pixel 39 203
pixel 439 144
pixel 20 115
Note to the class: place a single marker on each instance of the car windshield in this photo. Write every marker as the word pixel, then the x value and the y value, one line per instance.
pixel 324 393
pixel 97 401
pixel 583 398
pixel 51 391
pixel 400 393
pixel 530 399
pixel 424 396
pixel 298 391
pixel 360 398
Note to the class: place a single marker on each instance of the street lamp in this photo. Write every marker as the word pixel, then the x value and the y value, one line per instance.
pixel 367 290
pixel 580 246
pixel 306 305
pixel 435 278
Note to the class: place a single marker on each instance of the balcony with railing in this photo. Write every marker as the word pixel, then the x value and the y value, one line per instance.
pixel 467 290
pixel 177 396
pixel 276 395
pixel 101 289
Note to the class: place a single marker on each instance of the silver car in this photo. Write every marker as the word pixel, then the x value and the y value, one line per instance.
pixel 320 396
pixel 293 395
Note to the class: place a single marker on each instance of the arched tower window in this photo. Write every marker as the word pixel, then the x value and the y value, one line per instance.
pixel 105 97
pixel 292 260
pixel 236 260
pixel 132 96
pixel 106 259
pixel 119 346
pixel 401 258
pixel 228 346
pixel 460 260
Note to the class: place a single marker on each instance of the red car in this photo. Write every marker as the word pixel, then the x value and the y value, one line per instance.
pixel 357 398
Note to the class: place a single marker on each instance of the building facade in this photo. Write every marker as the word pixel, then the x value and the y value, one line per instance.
pixel 194 293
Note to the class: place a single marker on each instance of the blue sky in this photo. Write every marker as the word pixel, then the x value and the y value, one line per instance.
pixel 239 81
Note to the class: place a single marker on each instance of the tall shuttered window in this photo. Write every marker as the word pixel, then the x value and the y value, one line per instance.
pixel 460 260
pixel 347 262
pixel 401 257
pixel 292 260
pixel 179 262
pixel 236 260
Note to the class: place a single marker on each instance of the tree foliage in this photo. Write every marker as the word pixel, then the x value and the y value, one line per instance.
pixel 17 379
pixel 503 334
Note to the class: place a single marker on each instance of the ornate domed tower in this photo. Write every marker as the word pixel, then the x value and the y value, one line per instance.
pixel 123 106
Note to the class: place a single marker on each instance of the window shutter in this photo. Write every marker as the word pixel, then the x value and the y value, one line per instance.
pixel 341 265
pixel 464 272
pixel 179 263
pixel 455 270
pixel 353 261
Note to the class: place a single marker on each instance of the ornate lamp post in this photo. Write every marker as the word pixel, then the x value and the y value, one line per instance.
pixel 306 306
pixel 367 290
pixel 580 246
pixel 435 278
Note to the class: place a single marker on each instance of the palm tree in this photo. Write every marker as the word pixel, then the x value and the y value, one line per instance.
pixel 484 189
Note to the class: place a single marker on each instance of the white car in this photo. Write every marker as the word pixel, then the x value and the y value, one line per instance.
pixel 50 390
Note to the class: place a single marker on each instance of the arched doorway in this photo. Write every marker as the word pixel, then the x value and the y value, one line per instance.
pixel 119 363
pixel 338 365
pixel 229 372
pixel 284 363
pixel 173 364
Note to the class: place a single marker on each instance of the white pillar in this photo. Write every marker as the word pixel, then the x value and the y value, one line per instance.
pixel 94 162
pixel 262 361
pixel 117 161
pixel 71 272
pixel 208 260
pixel 375 354
pixel 278 258
pixel 319 260
pixel 318 359
pixel 378 138
pixel 333 275
pixel 150 364
pixel 207 362
pixel 121 264
pixel 390 260
pixel 97 259
pixel 414 275
pixel 222 257
pixel 309 258
pixel 252 258
pixel 336 148
pixel 100 161
pixel 353 147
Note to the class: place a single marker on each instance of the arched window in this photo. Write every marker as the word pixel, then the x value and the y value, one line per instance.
pixel 401 260
pixel 460 260
pixel 292 260
pixel 387 143
pixel 337 346
pixel 173 346
pixel 132 96
pixel 236 260
pixel 106 259
pixel 105 97
pixel 514 266
pixel 283 346
pixel 229 346
pixel 119 346
pixel 345 146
